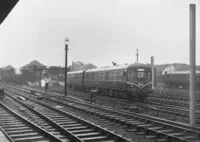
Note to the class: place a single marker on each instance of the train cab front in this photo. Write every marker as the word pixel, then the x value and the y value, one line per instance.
pixel 139 81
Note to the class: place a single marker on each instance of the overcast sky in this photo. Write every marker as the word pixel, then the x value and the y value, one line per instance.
pixel 100 31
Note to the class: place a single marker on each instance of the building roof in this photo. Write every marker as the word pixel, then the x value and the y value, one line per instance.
pixel 9 67
pixel 5 7
pixel 34 64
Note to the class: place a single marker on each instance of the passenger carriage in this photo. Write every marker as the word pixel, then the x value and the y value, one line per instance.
pixel 76 79
pixel 128 81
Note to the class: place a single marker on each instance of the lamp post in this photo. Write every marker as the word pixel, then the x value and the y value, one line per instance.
pixel 137 55
pixel 66 50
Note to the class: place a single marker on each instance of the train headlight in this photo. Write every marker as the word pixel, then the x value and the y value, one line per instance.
pixel 140 84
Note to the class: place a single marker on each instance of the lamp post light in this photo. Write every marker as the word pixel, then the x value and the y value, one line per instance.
pixel 66 50
pixel 137 55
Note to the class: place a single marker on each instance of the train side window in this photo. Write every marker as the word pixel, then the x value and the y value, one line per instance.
pixel 114 75
pixel 103 75
pixel 80 77
pixel 86 76
pixel 124 75
pixel 109 76
pixel 121 75
pixel 91 76
pixel 118 75
pixel 99 76
pixel 106 75
pixel 95 76
pixel 149 75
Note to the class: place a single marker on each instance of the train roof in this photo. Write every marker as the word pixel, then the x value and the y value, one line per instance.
pixel 117 67
pixel 72 72
pixel 181 72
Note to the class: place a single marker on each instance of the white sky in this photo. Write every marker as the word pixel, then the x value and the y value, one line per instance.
pixel 100 31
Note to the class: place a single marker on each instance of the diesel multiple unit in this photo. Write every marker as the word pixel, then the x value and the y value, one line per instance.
pixel 126 81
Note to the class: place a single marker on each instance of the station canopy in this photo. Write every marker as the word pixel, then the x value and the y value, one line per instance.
pixel 5 7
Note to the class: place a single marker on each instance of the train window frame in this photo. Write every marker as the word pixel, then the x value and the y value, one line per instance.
pixel 149 75
pixel 133 73
pixel 109 76
pixel 103 74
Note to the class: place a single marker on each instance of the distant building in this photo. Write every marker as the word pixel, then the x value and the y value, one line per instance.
pixel 7 71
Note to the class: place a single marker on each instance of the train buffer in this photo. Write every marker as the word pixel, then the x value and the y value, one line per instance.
pixel 93 95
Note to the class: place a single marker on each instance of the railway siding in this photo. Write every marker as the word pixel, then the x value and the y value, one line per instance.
pixel 19 129
pixel 78 127
pixel 148 124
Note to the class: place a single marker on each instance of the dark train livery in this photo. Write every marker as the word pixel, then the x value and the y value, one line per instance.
pixel 126 81
pixel 179 79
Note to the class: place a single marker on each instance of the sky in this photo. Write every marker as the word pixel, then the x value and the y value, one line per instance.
pixel 99 32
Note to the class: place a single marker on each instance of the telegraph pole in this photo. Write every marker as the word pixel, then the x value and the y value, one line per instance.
pixel 66 50
pixel 137 55
pixel 192 64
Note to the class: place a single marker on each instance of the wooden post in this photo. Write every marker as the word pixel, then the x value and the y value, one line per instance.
pixel 192 64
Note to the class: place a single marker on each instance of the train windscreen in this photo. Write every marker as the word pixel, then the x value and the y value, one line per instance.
pixel 139 75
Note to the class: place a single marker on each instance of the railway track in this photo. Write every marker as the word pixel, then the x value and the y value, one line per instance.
pixel 171 110
pixel 18 129
pixel 155 106
pixel 170 101
pixel 153 128
pixel 66 126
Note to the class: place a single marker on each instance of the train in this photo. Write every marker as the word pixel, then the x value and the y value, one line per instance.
pixel 129 81
pixel 179 79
